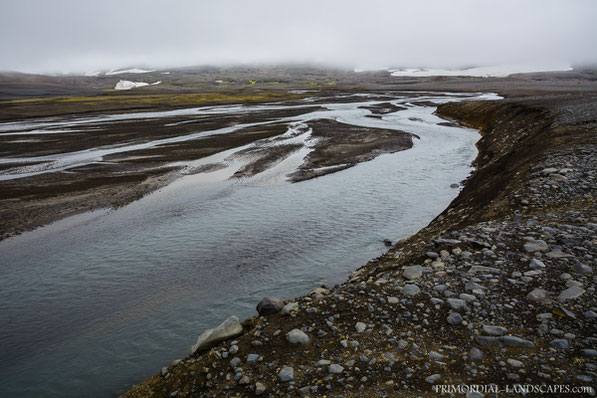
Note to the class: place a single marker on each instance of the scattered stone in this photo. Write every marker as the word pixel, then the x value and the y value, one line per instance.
pixel 234 362
pixel 319 291
pixel 360 327
pixel 413 272
pixel 467 297
pixel 571 293
pixel 532 246
pixel 433 378
pixel 476 354
pixel 297 336
pixel 411 290
pixel 581 268
pixel 286 374
pixel 508 341
pixel 560 343
pixel 259 388
pixel 456 304
pixel 289 308
pixel 432 255
pixel 228 329
pixel 335 368
pixel 244 380
pixel 322 362
pixel 455 318
pixel 491 330
pixel 535 264
pixel 269 305
pixel 483 269
pixel 538 295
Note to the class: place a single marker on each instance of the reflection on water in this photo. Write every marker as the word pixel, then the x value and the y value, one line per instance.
pixel 97 302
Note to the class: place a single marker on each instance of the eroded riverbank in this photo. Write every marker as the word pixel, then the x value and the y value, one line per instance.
pixel 500 288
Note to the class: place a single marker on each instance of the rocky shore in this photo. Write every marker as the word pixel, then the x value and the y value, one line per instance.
pixel 498 290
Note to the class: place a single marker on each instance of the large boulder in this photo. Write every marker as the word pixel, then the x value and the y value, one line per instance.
pixel 228 329
pixel 269 305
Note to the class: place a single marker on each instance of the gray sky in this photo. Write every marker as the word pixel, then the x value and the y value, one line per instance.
pixel 82 36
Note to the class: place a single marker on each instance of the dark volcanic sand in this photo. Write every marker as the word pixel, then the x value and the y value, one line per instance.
pixel 339 146
pixel 126 176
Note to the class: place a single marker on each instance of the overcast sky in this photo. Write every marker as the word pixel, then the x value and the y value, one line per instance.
pixel 83 36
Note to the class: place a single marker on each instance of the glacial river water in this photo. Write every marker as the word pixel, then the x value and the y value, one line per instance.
pixel 95 303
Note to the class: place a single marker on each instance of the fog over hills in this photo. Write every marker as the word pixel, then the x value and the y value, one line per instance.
pixel 66 36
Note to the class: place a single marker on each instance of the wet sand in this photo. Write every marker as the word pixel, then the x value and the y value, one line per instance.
pixel 115 179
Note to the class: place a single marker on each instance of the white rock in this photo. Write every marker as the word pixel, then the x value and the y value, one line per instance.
pixel 230 328
pixel 288 308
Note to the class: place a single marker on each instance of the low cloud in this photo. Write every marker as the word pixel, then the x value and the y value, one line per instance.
pixel 77 36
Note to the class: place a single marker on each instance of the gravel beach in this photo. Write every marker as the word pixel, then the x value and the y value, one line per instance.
pixel 499 289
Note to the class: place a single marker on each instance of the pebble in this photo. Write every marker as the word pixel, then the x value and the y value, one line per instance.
pixel 491 330
pixel 433 378
pixel 413 272
pixel 259 388
pixel 560 343
pixel 532 246
pixel 571 293
pixel 456 304
pixel 476 354
pixel 286 374
pixel 509 341
pixel 244 380
pixel 289 308
pixel 360 327
pixel 455 318
pixel 234 362
pixel 411 290
pixel 297 336
pixel 269 305
pixel 335 368
pixel 537 295
pixel 535 264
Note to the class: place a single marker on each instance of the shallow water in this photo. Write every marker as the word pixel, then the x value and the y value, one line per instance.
pixel 96 302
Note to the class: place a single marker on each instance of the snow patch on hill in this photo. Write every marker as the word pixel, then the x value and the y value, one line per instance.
pixel 127 84
pixel 93 74
pixel 132 70
pixel 485 71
